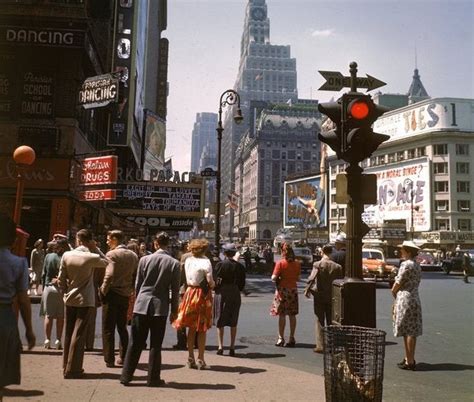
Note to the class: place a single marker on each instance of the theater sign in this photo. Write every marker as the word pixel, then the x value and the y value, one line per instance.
pixel 400 190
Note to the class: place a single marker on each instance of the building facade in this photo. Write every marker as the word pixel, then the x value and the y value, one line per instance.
pixel 424 176
pixel 204 141
pixel 283 144
pixel 267 72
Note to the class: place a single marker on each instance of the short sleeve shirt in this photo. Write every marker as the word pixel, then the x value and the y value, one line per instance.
pixel 289 272
pixel 196 268
pixel 13 275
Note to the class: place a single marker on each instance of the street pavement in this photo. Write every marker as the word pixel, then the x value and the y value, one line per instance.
pixel 445 355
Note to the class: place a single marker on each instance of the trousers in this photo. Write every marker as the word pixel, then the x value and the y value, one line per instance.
pixel 77 319
pixel 142 325
pixel 323 318
pixel 114 315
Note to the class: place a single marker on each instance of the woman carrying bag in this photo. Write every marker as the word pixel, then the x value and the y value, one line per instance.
pixel 285 302
pixel 195 309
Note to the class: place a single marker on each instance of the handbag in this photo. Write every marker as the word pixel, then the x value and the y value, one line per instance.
pixel 204 285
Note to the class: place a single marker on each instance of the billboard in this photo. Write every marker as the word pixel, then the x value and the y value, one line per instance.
pixel 305 203
pixel 167 199
pixel 394 195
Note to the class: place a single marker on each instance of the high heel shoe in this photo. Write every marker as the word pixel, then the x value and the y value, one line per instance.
pixel 201 364
pixel 191 363
pixel 291 343
pixel 280 342
pixel 405 366
pixel 220 352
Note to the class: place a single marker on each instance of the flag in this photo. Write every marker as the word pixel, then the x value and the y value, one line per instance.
pixel 233 201
pixel 259 76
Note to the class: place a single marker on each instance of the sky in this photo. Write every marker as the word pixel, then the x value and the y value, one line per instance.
pixel 386 38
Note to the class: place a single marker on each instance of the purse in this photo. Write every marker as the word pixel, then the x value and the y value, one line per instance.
pixel 204 285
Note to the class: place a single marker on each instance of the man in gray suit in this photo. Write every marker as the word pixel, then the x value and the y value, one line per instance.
pixel 157 274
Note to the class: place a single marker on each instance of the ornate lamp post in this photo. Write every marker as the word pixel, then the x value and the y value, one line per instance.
pixel 24 156
pixel 228 98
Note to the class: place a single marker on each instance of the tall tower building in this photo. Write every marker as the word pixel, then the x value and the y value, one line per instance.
pixel 266 72
pixel 203 136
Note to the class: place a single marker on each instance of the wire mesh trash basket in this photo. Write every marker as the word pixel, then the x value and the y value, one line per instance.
pixel 353 363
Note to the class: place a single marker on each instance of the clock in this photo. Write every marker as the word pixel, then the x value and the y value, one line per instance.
pixel 258 14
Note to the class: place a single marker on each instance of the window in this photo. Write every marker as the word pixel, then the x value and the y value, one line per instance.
pixel 333 198
pixel 333 227
pixel 283 155
pixel 442 205
pixel 411 153
pixel 333 183
pixel 464 224
pixel 463 186
pixel 421 151
pixel 276 154
pixel 334 213
pixel 441 168
pixel 400 155
pixel 291 154
pixel 391 158
pixel 440 149
pixel 441 224
pixel 462 149
pixel 381 160
pixel 464 205
pixel 441 187
pixel 342 212
pixel 462 167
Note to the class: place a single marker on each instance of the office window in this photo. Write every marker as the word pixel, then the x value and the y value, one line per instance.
pixel 381 160
pixel 276 154
pixel 400 155
pixel 334 213
pixel 464 205
pixel 333 183
pixel 464 224
pixel 440 168
pixel 463 186
pixel 291 154
pixel 462 149
pixel 421 151
pixel 441 224
pixel 411 153
pixel 442 205
pixel 441 187
pixel 462 167
pixel 283 155
pixel 391 158
pixel 342 212
pixel 333 227
pixel 440 149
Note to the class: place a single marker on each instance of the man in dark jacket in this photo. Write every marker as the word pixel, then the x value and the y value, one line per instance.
pixel 338 254
pixel 157 275
pixel 325 271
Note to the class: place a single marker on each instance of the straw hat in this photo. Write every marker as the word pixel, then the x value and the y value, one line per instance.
pixel 409 244
pixel 340 238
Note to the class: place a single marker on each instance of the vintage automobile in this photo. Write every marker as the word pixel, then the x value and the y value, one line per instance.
pixel 375 267
pixel 454 263
pixel 304 255
pixel 427 261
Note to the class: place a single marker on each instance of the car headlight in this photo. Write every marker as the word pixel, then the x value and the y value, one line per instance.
pixel 365 269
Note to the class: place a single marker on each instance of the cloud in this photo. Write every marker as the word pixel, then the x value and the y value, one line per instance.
pixel 322 32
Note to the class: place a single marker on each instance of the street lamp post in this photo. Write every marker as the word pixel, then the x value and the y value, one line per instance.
pixel 409 183
pixel 24 156
pixel 228 98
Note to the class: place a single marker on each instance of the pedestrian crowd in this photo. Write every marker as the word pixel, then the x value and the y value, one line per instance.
pixel 145 290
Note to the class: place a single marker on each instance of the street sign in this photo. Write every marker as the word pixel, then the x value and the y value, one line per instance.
pixel 97 195
pixel 335 81
pixel 209 172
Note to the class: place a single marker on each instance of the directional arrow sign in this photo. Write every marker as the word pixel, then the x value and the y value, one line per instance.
pixel 335 81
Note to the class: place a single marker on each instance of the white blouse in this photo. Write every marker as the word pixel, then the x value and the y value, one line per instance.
pixel 196 269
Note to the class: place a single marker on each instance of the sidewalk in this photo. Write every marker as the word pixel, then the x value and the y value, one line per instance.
pixel 227 379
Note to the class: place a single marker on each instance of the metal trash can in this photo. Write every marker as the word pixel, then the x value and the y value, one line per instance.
pixel 353 363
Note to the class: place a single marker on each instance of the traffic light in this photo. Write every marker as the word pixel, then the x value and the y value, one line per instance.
pixel 358 141
pixel 333 110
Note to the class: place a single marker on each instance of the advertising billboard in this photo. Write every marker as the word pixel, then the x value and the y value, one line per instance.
pixel 305 203
pixel 396 188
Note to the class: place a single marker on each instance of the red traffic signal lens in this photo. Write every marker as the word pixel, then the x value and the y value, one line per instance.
pixel 359 109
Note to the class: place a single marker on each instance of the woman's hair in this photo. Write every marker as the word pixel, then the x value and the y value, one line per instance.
pixel 412 251
pixel 198 247
pixel 287 252
pixel 132 245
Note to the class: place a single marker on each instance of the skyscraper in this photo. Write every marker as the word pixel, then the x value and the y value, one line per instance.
pixel 203 136
pixel 266 72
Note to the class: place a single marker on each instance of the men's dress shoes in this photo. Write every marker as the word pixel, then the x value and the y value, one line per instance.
pixel 125 381
pixel 110 365
pixel 74 375
pixel 119 362
pixel 156 384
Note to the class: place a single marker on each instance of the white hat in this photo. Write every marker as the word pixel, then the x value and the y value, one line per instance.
pixel 409 244
pixel 340 238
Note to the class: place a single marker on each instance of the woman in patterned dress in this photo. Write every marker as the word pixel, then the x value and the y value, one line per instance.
pixel 407 319
pixel 285 303
pixel 195 309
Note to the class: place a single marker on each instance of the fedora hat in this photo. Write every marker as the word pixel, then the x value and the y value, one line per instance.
pixel 229 247
pixel 409 244
pixel 340 238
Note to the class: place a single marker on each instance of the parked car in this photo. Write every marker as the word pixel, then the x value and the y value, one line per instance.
pixel 374 266
pixel 305 256
pixel 455 262
pixel 427 261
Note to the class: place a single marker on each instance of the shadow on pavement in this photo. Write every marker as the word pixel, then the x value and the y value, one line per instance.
pixel 236 369
pixel 144 366
pixel 237 347
pixel 23 393
pixel 108 376
pixel 443 367
pixel 257 355
pixel 389 343
pixel 185 385
pixel 42 352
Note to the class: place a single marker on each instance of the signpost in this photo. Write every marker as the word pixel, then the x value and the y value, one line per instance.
pixel 335 81
pixel 208 172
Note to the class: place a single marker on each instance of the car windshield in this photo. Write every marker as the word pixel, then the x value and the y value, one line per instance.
pixel 301 251
pixel 372 255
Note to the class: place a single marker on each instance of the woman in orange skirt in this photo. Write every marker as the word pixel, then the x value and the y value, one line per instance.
pixel 195 310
